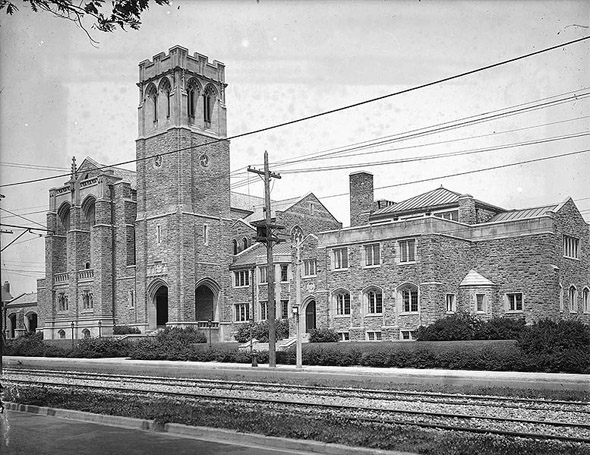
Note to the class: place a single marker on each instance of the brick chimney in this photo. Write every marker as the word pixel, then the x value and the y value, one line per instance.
pixel 467 209
pixel 361 197
pixel 7 287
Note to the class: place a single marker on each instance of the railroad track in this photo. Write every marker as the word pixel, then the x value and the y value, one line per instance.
pixel 540 419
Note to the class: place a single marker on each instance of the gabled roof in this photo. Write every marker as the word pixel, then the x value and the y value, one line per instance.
pixel 475 279
pixel 280 206
pixel 89 165
pixel 24 299
pixel 249 256
pixel 438 197
pixel 241 201
pixel 523 213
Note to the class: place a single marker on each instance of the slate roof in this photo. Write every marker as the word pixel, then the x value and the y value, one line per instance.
pixel 475 279
pixel 523 213
pixel 29 298
pixel 248 256
pixel 275 206
pixel 438 197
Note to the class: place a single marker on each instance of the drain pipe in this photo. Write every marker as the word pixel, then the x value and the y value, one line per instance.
pixel 113 244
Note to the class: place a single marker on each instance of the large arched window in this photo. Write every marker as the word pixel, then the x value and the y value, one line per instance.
pixel 408 294
pixel 572 295
pixel 585 300
pixel 374 301
pixel 342 302
pixel 208 102
pixel 88 208
pixel 63 215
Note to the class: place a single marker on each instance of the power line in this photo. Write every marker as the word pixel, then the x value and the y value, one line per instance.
pixel 578 152
pixel 431 157
pixel 453 124
pixel 333 111
pixel 24 218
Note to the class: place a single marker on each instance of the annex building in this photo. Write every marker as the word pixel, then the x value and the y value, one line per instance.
pixel 171 244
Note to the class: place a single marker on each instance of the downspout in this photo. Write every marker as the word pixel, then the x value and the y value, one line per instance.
pixel 113 243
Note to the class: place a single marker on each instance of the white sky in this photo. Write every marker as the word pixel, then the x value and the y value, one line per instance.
pixel 63 97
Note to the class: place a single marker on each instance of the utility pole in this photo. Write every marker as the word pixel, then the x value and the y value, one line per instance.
pixel 298 351
pixel 266 236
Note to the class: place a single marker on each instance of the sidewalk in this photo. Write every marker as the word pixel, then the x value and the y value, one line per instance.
pixel 330 374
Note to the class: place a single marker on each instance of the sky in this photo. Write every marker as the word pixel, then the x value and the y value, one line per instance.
pixel 63 96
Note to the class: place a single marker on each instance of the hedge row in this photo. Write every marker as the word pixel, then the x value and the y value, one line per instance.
pixel 546 346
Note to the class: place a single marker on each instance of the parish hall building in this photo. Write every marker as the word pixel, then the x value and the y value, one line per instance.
pixel 172 245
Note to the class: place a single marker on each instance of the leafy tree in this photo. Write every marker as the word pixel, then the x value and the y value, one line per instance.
pixel 119 13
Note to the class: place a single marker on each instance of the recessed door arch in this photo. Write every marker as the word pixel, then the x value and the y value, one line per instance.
pixel 310 316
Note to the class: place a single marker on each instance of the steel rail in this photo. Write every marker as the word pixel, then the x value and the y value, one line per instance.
pixel 341 407
pixel 356 393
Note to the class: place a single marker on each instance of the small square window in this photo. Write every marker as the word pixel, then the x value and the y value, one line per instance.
pixel 407 335
pixel 571 247
pixel 407 250
pixel 373 336
pixel 343 304
pixel 309 267
pixel 343 336
pixel 451 303
pixel 480 303
pixel 241 278
pixel 284 309
pixel 340 258
pixel 372 255
pixel 514 301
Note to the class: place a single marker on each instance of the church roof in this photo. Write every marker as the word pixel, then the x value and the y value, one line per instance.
pixel 475 279
pixel 523 213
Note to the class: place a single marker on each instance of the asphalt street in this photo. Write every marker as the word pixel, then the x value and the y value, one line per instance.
pixel 26 433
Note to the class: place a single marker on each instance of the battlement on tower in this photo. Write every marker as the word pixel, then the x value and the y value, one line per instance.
pixel 179 57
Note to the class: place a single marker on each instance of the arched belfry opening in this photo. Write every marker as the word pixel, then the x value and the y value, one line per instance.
pixel 206 297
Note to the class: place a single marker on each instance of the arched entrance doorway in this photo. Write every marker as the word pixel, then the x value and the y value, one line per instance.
pixel 204 303
pixel 310 319
pixel 31 322
pixel 11 325
pixel 161 302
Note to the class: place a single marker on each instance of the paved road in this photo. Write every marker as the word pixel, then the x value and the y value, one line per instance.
pixel 31 434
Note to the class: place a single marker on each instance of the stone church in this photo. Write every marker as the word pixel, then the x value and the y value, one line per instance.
pixel 171 244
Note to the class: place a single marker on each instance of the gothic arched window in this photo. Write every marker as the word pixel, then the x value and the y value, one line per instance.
pixel 208 103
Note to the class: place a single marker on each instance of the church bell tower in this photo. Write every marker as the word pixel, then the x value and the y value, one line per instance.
pixel 183 189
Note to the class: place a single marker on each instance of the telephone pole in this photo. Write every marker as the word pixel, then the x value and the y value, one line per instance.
pixel 266 236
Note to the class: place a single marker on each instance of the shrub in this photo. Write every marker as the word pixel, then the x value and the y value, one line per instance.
pixel 260 331
pixel 562 346
pixel 326 335
pixel 91 348
pixel 464 326
pixel 32 345
pixel 125 330
pixel 459 326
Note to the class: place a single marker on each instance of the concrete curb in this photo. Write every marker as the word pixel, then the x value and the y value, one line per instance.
pixel 203 433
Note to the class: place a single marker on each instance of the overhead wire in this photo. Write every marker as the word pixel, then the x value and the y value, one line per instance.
pixel 330 111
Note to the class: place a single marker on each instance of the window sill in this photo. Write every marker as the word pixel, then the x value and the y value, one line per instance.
pixel 376 266
pixel 341 316
pixel 569 257
pixel 88 310
pixel 406 263
pixel 368 315
pixel 409 313
pixel 339 270
pixel 309 276
pixel 513 311
pixel 242 287
pixel 450 312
